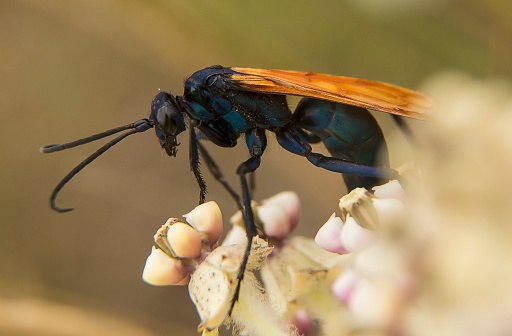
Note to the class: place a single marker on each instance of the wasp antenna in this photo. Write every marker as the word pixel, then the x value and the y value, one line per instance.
pixel 56 208
pixel 56 147
pixel 137 127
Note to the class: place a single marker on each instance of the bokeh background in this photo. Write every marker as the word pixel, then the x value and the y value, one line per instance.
pixel 73 68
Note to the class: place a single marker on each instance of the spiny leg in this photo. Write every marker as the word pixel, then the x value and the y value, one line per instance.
pixel 216 172
pixel 214 169
pixel 194 162
pixel 250 228
pixel 256 142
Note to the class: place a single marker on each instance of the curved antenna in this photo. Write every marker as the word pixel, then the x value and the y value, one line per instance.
pixel 136 127
pixel 55 148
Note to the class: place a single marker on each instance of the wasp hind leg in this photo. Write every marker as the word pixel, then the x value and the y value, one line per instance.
pixel 293 141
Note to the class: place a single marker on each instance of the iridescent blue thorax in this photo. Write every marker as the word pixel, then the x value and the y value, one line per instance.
pixel 213 100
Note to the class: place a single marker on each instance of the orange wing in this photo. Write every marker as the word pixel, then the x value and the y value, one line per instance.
pixel 346 90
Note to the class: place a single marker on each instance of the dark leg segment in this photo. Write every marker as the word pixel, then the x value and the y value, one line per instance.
pixel 215 171
pixel 256 141
pixel 248 166
pixel 194 162
pixel 252 184
pixel 341 166
pixel 292 140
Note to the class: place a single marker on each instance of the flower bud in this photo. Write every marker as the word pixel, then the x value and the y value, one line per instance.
pixel 343 286
pixel 276 222
pixel 161 270
pixel 207 219
pixel 184 241
pixel 329 235
pixel 235 236
pixel 290 202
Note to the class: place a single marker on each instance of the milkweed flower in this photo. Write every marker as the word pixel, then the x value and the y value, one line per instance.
pixel 298 275
pixel 357 235
pixel 363 214
pixel 187 251
pixel 275 218
pixel 180 245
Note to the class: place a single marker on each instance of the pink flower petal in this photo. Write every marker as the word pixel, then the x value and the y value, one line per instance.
pixel 328 237
pixel 290 202
pixel 343 286
pixel 276 222
pixel 302 321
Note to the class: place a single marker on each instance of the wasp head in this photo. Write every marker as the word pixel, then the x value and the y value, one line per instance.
pixel 168 120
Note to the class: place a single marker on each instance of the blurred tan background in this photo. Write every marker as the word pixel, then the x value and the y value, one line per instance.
pixel 73 68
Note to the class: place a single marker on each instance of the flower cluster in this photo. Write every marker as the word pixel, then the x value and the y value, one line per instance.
pixel 188 252
pixel 363 214
pixel 181 245
pixel 304 281
pixel 368 221
pixel 275 217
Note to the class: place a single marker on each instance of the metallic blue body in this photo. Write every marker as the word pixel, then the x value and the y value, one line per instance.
pixel 348 132
pixel 229 112
pixel 222 111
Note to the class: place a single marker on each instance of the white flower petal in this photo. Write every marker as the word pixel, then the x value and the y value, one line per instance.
pixel 390 210
pixel 392 189
pixel 207 219
pixel 162 270
pixel 276 222
pixel 290 202
pixel 354 237
pixel 235 236
pixel 373 304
